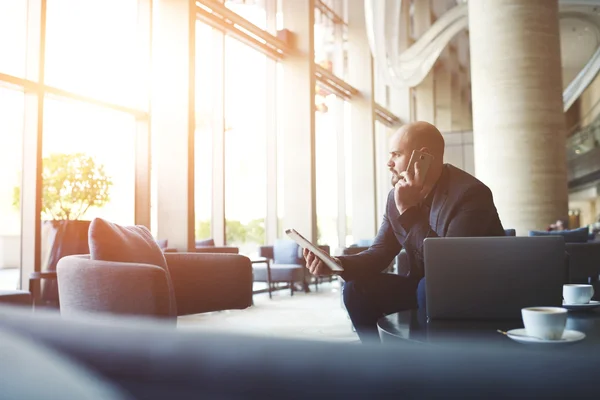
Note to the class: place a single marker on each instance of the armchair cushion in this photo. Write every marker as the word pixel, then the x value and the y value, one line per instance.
pixel 135 244
pixel 579 235
pixel 286 251
pixel 126 244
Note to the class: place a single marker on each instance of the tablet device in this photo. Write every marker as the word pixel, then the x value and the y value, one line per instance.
pixel 305 244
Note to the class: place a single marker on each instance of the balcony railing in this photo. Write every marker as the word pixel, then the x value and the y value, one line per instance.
pixel 585 140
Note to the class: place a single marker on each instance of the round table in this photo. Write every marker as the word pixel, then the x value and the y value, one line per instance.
pixel 413 327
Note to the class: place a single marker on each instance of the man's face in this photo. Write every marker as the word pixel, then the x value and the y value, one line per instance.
pixel 399 156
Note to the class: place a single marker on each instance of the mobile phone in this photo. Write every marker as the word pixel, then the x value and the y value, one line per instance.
pixel 424 160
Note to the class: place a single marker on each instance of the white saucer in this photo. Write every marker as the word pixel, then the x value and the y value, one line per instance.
pixel 569 336
pixel 587 306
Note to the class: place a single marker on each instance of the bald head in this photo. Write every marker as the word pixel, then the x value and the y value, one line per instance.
pixel 416 135
pixel 420 136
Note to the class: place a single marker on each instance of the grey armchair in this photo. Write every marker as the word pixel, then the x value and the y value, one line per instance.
pixel 199 283
pixel 286 265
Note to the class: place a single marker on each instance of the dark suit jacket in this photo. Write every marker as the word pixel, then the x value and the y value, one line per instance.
pixel 461 206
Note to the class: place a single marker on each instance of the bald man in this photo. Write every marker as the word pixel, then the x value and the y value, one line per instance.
pixel 446 201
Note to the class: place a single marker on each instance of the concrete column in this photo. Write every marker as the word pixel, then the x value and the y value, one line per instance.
pixel 443 98
pixel 362 125
pixel 297 121
pixel 467 119
pixel 173 119
pixel 456 102
pixel 517 109
pixel 425 101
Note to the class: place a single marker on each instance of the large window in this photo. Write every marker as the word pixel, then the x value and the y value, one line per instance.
pixel 13 34
pixel 91 49
pixel 330 36
pixel 11 146
pixel 252 10
pixel 79 138
pixel 327 125
pixel 96 62
pixel 245 146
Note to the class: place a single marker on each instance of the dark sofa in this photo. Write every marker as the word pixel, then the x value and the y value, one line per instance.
pixel 140 358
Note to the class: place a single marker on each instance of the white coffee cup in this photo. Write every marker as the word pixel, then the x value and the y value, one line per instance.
pixel 544 322
pixel 577 294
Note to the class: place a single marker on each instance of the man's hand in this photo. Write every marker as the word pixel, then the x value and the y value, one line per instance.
pixel 410 190
pixel 315 265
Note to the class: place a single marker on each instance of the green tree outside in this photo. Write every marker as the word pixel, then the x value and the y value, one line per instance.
pixel 72 184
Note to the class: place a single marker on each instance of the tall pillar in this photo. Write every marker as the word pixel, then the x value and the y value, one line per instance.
pixel 362 126
pixel 425 101
pixel 518 118
pixel 297 120
pixel 173 120
pixel 443 98
pixel 456 84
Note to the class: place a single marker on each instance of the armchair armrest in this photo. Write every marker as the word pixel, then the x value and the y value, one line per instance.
pixel 86 285
pixel 205 282
pixel 266 252
pixel 217 249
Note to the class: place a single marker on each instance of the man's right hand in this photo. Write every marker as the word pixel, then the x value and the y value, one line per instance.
pixel 316 266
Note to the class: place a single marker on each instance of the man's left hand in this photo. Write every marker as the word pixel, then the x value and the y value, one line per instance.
pixel 410 190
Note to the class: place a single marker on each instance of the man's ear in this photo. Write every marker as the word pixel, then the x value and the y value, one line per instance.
pixel 425 150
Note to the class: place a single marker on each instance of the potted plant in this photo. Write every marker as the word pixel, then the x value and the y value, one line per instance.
pixel 72 184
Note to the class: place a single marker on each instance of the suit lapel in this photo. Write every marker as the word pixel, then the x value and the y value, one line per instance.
pixel 439 199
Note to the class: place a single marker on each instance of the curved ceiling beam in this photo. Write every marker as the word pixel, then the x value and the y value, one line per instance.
pixel 408 67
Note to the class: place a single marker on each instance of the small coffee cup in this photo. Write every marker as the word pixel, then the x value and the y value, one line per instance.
pixel 577 294
pixel 544 322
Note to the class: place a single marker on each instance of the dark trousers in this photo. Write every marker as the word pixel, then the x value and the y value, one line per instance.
pixel 369 299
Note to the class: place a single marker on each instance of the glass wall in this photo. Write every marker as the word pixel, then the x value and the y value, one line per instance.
pixel 88 148
pixel 13 37
pixel 11 150
pixel 331 36
pixel 245 146
pixel 231 102
pixel 96 66
pixel 330 39
pixel 91 49
pixel 252 10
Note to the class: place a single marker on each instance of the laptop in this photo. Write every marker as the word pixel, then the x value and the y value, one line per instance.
pixel 492 277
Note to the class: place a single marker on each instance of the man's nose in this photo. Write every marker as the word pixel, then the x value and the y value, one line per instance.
pixel 390 163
